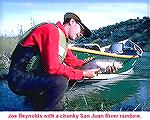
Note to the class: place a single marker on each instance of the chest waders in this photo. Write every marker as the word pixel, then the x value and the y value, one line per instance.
pixel 34 63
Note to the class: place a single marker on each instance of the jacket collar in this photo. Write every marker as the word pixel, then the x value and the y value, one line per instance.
pixel 61 27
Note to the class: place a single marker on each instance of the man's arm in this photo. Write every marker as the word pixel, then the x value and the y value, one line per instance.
pixel 72 60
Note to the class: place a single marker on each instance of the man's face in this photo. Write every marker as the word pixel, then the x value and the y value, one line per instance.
pixel 74 30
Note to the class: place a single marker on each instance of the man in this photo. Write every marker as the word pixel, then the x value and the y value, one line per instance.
pixel 46 84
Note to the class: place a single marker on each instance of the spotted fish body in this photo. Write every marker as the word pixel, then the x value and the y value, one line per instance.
pixel 102 64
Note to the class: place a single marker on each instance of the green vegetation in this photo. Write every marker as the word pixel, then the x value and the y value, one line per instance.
pixel 137 30
pixel 7 44
pixel 102 101
pixel 89 102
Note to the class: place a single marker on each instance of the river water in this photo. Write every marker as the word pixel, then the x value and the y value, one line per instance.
pixel 136 88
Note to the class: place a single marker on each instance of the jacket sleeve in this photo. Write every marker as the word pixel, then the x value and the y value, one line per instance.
pixel 50 49
pixel 72 60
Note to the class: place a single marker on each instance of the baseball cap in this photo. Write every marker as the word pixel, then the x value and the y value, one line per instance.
pixel 69 15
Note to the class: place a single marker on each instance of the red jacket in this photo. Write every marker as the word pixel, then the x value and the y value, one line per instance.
pixel 46 37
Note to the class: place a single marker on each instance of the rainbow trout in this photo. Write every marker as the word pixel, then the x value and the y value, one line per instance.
pixel 102 64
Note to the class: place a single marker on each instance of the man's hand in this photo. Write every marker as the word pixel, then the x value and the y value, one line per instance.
pixel 91 73
pixel 111 69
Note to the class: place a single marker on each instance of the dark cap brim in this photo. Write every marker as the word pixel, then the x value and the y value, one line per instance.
pixel 86 31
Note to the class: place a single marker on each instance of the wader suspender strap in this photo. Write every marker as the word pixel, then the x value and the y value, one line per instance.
pixel 62 45
pixel 29 32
